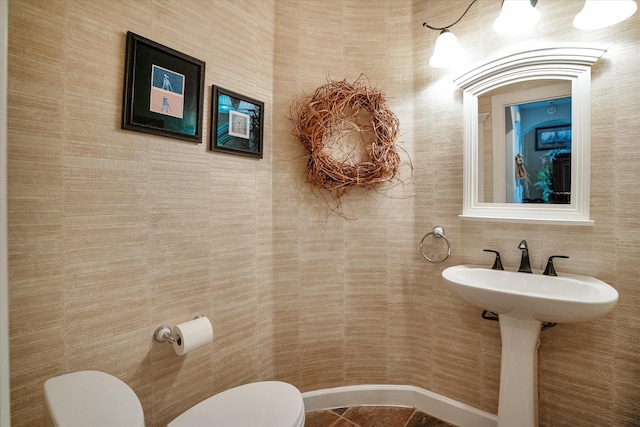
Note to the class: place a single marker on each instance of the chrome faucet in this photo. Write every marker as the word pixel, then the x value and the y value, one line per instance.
pixel 525 265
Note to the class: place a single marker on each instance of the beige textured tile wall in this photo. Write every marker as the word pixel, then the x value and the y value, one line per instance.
pixel 582 366
pixel 430 339
pixel 112 233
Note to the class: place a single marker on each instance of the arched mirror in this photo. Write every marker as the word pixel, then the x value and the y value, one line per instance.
pixel 527 136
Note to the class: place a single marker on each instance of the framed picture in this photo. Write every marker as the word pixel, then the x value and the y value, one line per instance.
pixel 554 137
pixel 237 123
pixel 163 90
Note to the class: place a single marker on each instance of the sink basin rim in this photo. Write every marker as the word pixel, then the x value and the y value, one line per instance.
pixel 562 298
pixel 606 291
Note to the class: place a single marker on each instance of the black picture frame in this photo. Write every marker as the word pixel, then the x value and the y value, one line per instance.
pixel 237 123
pixel 553 137
pixel 163 90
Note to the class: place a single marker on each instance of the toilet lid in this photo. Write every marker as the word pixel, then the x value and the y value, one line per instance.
pixel 92 398
pixel 261 404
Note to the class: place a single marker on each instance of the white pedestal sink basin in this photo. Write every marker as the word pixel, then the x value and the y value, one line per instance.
pixel 523 301
pixel 563 298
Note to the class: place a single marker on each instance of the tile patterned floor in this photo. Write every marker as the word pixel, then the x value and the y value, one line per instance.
pixel 372 416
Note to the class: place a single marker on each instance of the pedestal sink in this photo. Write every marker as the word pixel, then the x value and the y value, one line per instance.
pixel 523 301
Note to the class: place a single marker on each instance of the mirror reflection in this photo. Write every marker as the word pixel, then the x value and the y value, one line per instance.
pixel 525 131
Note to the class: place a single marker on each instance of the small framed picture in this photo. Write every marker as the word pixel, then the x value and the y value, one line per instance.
pixel 163 91
pixel 554 137
pixel 237 123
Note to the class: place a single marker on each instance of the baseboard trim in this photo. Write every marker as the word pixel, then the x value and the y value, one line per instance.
pixel 431 403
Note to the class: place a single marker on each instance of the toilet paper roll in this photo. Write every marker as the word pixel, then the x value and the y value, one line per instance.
pixel 191 335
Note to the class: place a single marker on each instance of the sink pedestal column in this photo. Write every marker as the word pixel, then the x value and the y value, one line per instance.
pixel 518 402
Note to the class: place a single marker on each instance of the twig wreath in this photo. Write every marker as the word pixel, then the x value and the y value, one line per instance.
pixel 349 134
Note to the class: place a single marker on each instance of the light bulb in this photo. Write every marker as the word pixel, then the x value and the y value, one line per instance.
pixel 603 13
pixel 516 16
pixel 447 51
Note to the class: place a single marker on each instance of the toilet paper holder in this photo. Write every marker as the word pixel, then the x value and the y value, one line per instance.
pixel 165 334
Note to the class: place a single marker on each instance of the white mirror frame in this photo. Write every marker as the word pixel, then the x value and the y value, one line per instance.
pixel 567 62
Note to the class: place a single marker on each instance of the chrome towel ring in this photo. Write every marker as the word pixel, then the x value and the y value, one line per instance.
pixel 437 232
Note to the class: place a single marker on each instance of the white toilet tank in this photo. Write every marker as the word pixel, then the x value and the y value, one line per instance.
pixel 92 398
pixel 264 404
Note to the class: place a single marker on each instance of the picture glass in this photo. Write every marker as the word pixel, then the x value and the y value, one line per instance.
pixel 164 90
pixel 167 107
pixel 237 122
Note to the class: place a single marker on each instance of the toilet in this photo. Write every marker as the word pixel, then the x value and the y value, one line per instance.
pixel 97 399
pixel 92 398
pixel 267 404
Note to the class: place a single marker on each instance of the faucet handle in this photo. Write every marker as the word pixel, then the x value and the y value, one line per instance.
pixel 550 270
pixel 497 264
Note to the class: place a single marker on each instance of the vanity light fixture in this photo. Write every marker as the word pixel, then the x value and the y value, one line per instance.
pixel 447 51
pixel 520 15
pixel 516 16
pixel 603 13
